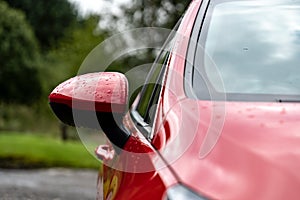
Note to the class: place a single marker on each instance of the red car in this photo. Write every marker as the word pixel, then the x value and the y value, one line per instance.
pixel 219 119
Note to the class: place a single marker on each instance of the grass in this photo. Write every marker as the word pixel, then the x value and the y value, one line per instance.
pixel 21 150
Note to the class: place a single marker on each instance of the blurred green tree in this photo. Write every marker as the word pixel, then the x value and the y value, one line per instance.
pixel 49 19
pixel 145 13
pixel 19 55
pixel 155 13
pixel 65 60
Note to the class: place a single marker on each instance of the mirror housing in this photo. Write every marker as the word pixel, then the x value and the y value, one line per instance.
pixel 95 100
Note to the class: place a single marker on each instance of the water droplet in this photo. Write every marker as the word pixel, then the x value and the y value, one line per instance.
pixel 283 111
pixel 251 116
pixel 218 117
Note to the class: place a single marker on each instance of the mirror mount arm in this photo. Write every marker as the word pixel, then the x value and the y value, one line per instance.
pixel 111 124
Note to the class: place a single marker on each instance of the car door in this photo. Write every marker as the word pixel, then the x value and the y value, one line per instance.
pixel 129 172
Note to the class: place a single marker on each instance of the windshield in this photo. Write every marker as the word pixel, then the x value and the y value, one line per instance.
pixel 251 48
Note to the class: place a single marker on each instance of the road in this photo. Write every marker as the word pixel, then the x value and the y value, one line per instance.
pixel 48 184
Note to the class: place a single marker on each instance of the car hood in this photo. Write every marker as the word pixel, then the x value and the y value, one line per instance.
pixel 237 150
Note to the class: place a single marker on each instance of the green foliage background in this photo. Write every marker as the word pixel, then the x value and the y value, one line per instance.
pixel 49 19
pixel 19 55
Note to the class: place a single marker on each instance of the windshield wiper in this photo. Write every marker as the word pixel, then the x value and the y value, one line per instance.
pixel 288 100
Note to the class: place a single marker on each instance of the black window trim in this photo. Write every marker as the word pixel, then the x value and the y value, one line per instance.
pixel 157 89
pixel 141 123
pixel 192 48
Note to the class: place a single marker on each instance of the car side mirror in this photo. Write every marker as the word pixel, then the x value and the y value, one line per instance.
pixel 95 100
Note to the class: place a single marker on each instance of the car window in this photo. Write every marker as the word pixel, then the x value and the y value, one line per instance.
pixel 249 50
pixel 150 92
pixel 144 111
pixel 148 89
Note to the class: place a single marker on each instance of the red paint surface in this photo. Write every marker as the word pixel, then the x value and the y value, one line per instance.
pixel 223 150
pixel 256 155
pixel 131 174
pixel 101 91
